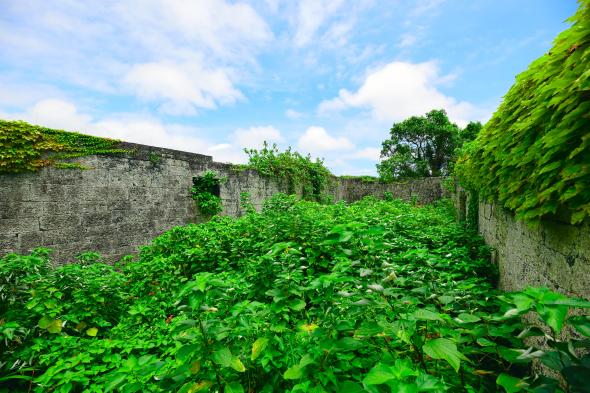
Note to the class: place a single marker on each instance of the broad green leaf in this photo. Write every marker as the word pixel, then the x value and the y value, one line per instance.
pixel 258 346
pixel 187 351
pixel 554 316
pixel 293 372
pixel 581 324
pixel 297 305
pixel 350 387
pixel 55 326
pixel 223 357
pixel 237 364
pixel 511 384
pixel 467 318
pixel 45 322
pixel 234 387
pixel 379 374
pixel 442 348
pixel 426 315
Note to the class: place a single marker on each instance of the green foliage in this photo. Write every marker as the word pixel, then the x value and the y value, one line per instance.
pixel 205 192
pixel 421 146
pixel 27 148
pixel 297 170
pixel 376 296
pixel 364 179
pixel 533 156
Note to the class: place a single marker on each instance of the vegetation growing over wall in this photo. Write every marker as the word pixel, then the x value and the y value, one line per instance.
pixel 533 156
pixel 27 148
pixel 369 297
pixel 296 169
pixel 205 192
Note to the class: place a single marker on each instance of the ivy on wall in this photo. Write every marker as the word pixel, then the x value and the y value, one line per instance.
pixel 533 156
pixel 27 148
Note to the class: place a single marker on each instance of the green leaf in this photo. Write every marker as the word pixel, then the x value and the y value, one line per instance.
pixel 426 315
pixel 581 324
pixel 467 318
pixel 92 332
pixel 350 387
pixel 234 387
pixel 223 357
pixel 442 348
pixel 55 326
pixel 379 374
pixel 293 372
pixel 258 346
pixel 45 322
pixel 511 384
pixel 237 364
pixel 297 305
pixel 553 316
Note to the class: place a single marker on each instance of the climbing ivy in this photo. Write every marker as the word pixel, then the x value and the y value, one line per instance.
pixel 27 148
pixel 296 169
pixel 533 156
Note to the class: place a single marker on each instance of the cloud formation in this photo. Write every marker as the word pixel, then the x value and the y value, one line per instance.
pixel 401 89
pixel 316 140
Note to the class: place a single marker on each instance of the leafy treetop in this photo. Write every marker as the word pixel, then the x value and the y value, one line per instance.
pixel 420 146
pixel 533 156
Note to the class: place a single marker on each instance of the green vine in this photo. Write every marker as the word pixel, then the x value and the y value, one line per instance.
pixel 28 148
pixel 205 192
pixel 296 169
pixel 533 156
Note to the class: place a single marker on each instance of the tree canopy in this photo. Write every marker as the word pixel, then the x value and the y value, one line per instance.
pixel 420 146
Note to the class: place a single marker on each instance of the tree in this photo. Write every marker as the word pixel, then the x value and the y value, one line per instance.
pixel 421 146
pixel 470 132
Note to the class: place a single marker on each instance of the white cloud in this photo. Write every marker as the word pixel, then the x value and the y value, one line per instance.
pixel 400 90
pixel 407 40
pixel 152 46
pixel 310 17
pixel 254 137
pixel 369 153
pixel 317 140
pixel 55 113
pixel 293 114
pixel 182 88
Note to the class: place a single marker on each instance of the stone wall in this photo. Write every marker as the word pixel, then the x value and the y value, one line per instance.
pixel 122 202
pixel 555 255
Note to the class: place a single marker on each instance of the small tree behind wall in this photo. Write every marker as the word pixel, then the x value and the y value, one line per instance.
pixel 420 146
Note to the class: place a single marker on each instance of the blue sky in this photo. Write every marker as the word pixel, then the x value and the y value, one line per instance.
pixel 327 77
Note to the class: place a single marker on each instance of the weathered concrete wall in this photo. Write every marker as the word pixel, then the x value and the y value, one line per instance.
pixel 122 202
pixel 555 255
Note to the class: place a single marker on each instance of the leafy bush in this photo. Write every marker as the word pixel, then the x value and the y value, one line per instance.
pixel 205 192
pixel 533 156
pixel 297 170
pixel 376 296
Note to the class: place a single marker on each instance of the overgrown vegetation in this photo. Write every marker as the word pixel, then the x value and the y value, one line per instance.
pixel 205 192
pixel 300 172
pixel 377 296
pixel 27 148
pixel 533 156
